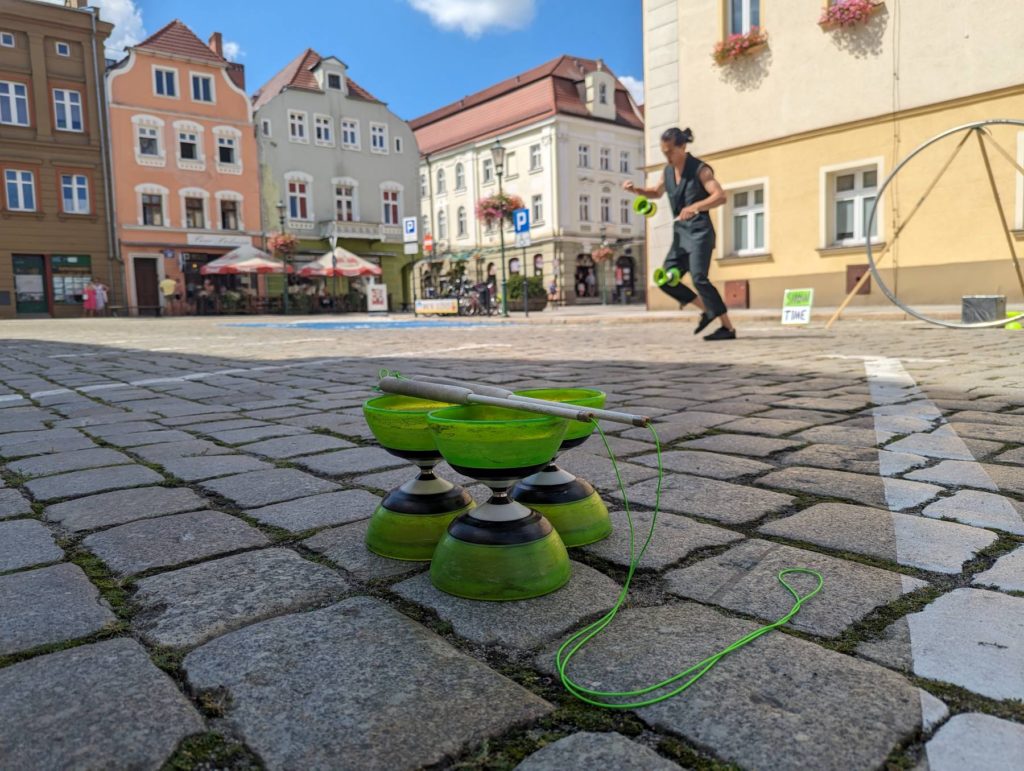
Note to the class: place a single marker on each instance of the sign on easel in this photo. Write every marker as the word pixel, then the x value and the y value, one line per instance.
pixel 796 306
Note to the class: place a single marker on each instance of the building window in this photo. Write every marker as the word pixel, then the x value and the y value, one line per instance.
pixel 583 156
pixel 13 103
pixel 227 151
pixel 744 14
pixel 202 88
pixel 153 210
pixel 323 130
pixel 624 211
pixel 513 266
pixel 535 162
pixel 378 138
pixel 460 177
pixel 536 210
pixel 195 216
pixel 67 108
pixel 165 82
pixel 442 225
pixel 584 208
pixel 606 159
pixel 392 212
pixel 334 81
pixel 297 127
pixel 6 40
pixel 265 127
pixel 441 190
pixel 229 215
pixel 624 162
pixel 398 144
pixel 63 49
pixel 350 134
pixel 748 221
pixel 423 185
pixel 149 141
pixel 602 93
pixel 511 166
pixel 488 171
pixel 460 222
pixel 188 146
pixel 298 200
pixel 606 209
pixel 344 202
pixel 489 227
pixel 21 190
pixel 70 275
pixel 538 264
pixel 853 195
pixel 74 190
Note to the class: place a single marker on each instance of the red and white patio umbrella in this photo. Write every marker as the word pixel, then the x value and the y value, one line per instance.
pixel 244 259
pixel 341 263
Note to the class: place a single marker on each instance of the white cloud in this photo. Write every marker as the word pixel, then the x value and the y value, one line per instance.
pixel 635 87
pixel 127 20
pixel 233 51
pixel 474 17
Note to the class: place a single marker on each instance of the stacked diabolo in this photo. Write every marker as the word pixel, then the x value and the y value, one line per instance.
pixel 501 550
pixel 571 504
pixel 644 206
pixel 412 518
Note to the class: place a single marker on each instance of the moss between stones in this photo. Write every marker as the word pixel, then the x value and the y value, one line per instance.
pixel 211 751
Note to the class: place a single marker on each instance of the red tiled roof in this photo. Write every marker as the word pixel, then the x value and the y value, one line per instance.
pixel 177 39
pixel 298 73
pixel 551 88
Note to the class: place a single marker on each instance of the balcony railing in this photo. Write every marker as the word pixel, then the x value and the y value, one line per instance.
pixel 372 231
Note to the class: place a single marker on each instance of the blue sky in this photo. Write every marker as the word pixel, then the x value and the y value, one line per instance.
pixel 416 55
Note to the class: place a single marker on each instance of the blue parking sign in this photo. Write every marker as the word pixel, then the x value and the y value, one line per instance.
pixel 521 220
pixel 409 229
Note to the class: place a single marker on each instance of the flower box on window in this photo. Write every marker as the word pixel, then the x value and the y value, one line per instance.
pixel 739 45
pixel 847 13
pixel 602 253
pixel 283 244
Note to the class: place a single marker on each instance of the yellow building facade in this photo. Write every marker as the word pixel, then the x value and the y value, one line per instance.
pixel 803 130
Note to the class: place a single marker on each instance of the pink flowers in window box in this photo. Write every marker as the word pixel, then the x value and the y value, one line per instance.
pixel 602 253
pixel 735 46
pixel 498 207
pixel 847 13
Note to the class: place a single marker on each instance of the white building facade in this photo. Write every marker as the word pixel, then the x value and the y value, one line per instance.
pixel 567 165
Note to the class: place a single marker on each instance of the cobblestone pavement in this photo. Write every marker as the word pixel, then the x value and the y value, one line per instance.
pixel 183 581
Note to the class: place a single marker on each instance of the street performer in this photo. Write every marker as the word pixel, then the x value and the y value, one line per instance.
pixel 692 191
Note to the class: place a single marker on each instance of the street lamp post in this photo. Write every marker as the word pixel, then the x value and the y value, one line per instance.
pixel 498 154
pixel 604 287
pixel 332 239
pixel 280 215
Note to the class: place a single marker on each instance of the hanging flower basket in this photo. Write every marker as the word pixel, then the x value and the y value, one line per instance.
pixel 283 244
pixel 498 207
pixel 736 46
pixel 602 253
pixel 847 13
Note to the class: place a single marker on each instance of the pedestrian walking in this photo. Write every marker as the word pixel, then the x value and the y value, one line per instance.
pixel 89 299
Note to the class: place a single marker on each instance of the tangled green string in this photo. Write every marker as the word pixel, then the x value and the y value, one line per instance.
pixel 580 639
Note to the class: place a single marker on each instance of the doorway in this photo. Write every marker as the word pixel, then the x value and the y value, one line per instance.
pixel 30 284
pixel 147 297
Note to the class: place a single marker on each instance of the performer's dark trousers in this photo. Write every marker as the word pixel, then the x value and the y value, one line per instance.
pixel 691 253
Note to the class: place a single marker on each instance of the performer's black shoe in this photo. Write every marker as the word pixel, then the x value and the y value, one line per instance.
pixel 705 319
pixel 722 334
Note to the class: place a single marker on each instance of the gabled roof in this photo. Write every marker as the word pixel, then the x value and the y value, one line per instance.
pixel 298 73
pixel 550 89
pixel 177 39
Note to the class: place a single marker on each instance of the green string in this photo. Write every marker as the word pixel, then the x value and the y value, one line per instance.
pixel 579 639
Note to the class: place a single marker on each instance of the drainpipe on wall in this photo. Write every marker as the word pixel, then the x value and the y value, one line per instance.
pixel 103 113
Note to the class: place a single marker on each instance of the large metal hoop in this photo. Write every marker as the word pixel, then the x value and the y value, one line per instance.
pixel 874 210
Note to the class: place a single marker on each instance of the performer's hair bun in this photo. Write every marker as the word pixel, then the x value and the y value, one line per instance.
pixel 677 136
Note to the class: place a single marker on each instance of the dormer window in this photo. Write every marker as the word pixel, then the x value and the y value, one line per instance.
pixel 334 81
pixel 602 93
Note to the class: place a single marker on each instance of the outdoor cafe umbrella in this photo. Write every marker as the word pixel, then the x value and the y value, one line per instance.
pixel 348 264
pixel 244 259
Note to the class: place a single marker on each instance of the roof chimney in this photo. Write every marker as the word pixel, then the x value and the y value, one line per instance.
pixel 600 64
pixel 217 44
